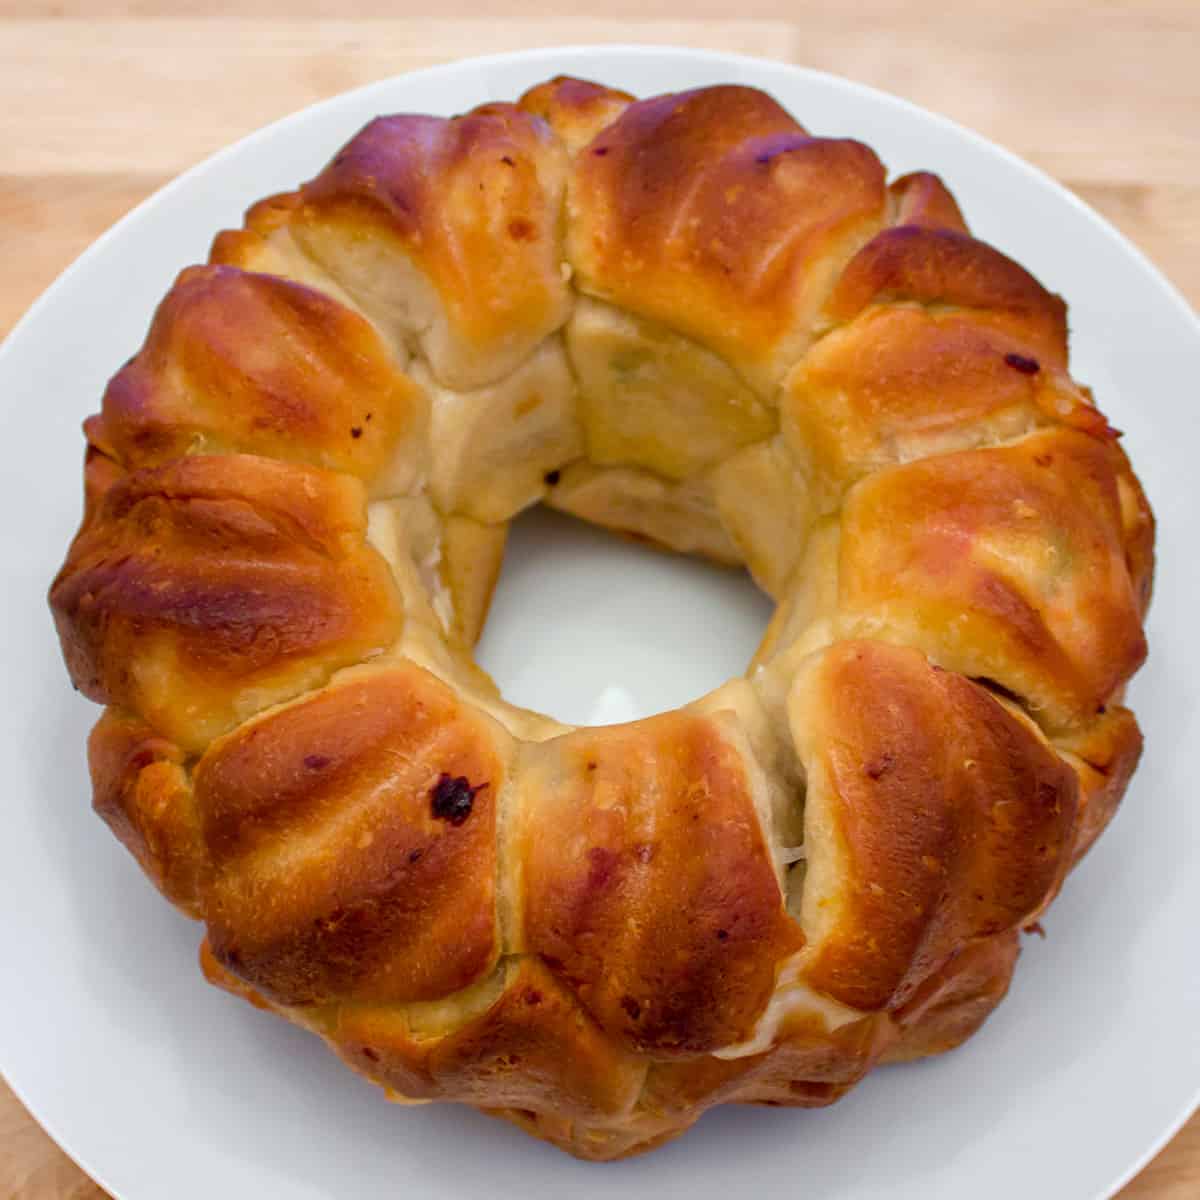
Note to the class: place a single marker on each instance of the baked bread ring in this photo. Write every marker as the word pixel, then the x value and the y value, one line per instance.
pixel 687 319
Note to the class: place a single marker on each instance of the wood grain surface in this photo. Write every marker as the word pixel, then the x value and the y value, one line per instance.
pixel 103 101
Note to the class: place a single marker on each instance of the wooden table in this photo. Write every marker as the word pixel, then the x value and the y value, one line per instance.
pixel 102 101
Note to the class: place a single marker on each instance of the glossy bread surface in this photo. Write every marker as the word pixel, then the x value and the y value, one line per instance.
pixel 691 320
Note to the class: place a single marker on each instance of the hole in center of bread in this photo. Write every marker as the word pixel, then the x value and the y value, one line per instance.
pixel 595 629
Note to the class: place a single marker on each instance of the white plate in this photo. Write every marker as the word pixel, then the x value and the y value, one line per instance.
pixel 163 1087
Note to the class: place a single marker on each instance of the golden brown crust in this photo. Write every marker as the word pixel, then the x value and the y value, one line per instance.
pixel 1006 563
pixel 265 246
pixel 688 320
pixel 647 883
pixel 921 198
pixel 100 472
pixel 140 786
pixel 714 213
pixel 472 206
pixel 953 1002
pixel 926 842
pixel 576 109
pixel 220 976
pixel 267 216
pixel 901 382
pixel 595 1143
pixel 1137 525
pixel 1104 756
pixel 213 586
pixel 809 1066
pixel 257 365
pixel 532 1048
pixel 392 784
pixel 933 266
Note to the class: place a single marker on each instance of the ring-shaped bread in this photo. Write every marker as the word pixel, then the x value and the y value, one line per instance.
pixel 688 319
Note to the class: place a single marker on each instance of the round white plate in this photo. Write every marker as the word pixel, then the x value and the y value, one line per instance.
pixel 163 1087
